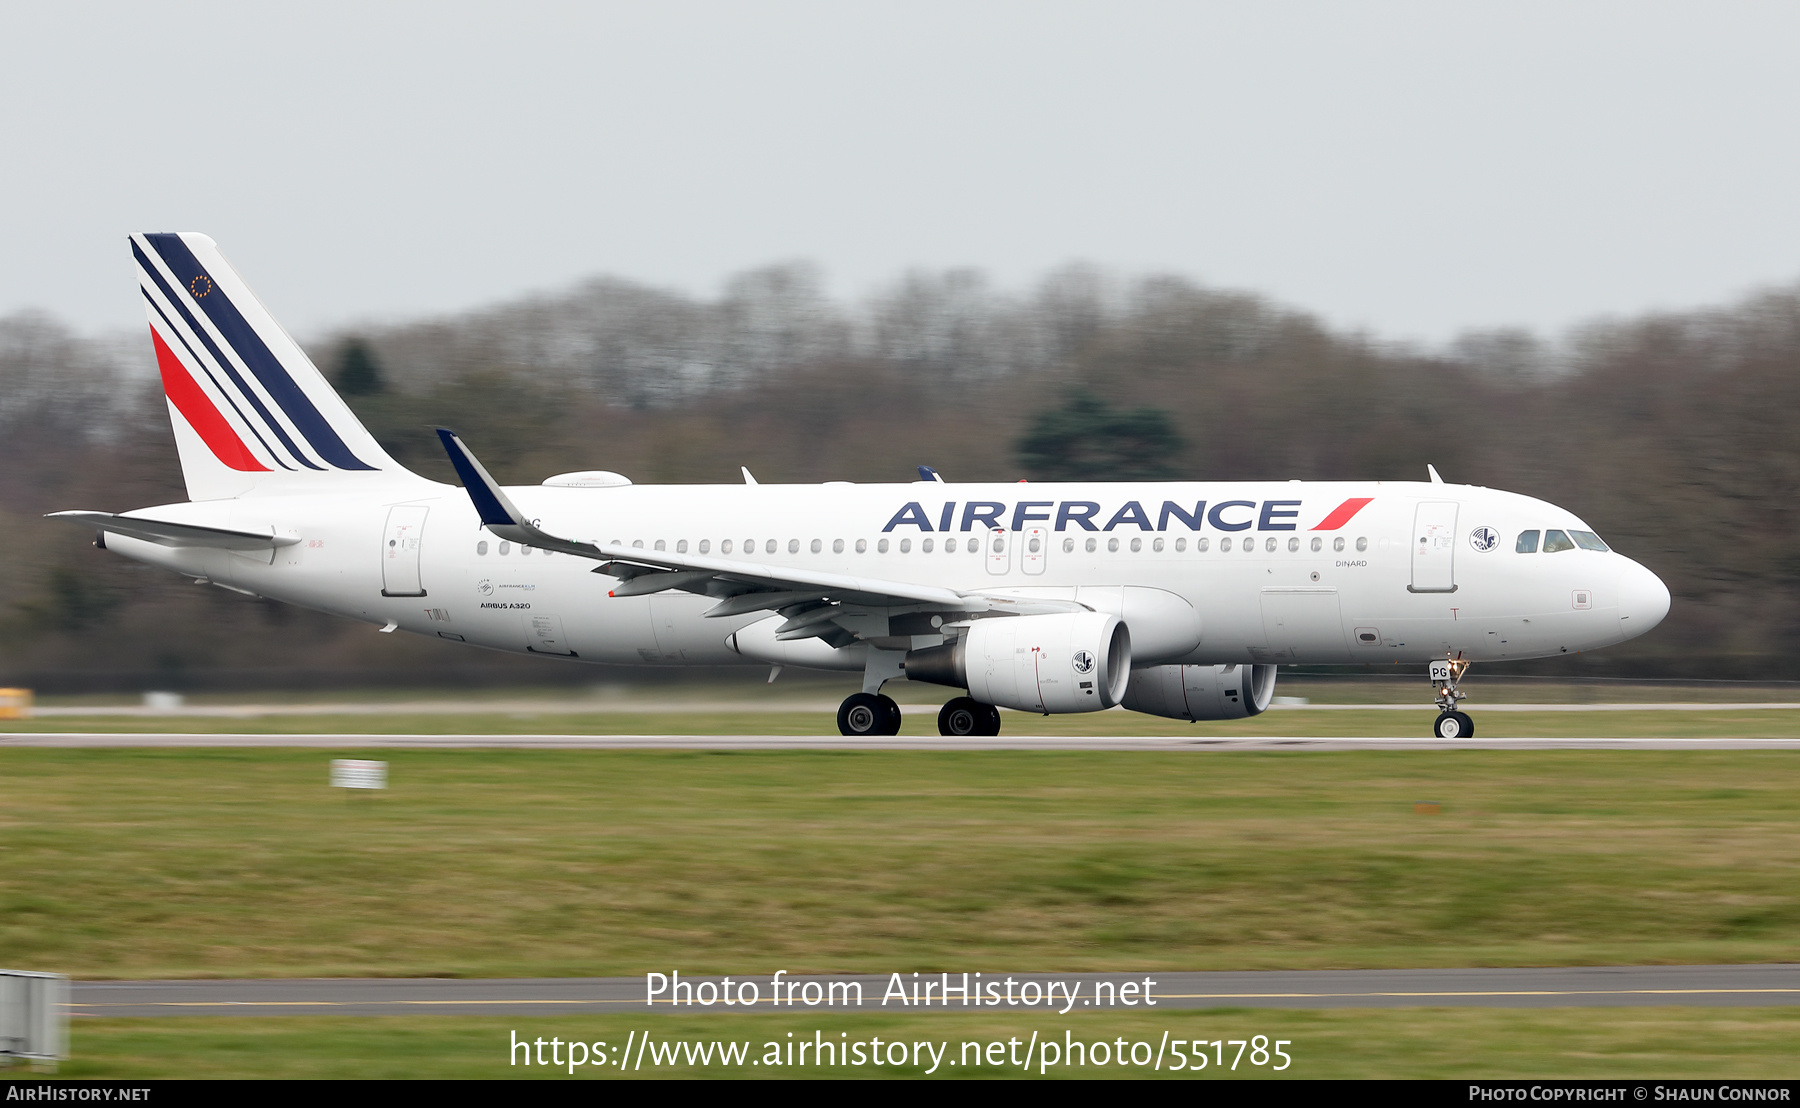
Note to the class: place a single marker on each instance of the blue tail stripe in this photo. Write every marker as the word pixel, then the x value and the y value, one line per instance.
pixel 249 346
pixel 224 363
pixel 201 362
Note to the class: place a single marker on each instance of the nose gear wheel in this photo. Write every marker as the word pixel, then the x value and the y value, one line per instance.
pixel 1454 725
pixel 1450 723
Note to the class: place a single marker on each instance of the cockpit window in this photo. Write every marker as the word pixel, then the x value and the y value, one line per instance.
pixel 1587 540
pixel 1527 543
pixel 1555 542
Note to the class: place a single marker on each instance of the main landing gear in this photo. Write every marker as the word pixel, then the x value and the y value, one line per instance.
pixel 869 714
pixel 968 716
pixel 1451 723
pixel 876 714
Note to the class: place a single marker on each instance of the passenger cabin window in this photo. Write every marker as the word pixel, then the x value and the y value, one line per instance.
pixel 881 546
pixel 1318 544
pixel 862 546
pixel 1091 545
pixel 837 546
pixel 1555 542
pixel 1527 543
pixel 725 547
pixel 1225 545
pixel 950 546
pixel 481 547
pixel 906 546
pixel 925 546
pixel 706 545
pixel 1180 546
pixel 1587 540
pixel 1337 544
pixel 1200 545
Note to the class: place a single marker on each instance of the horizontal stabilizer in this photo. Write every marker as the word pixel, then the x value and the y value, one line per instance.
pixel 164 532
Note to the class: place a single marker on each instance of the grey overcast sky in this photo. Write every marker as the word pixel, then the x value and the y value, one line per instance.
pixel 1414 169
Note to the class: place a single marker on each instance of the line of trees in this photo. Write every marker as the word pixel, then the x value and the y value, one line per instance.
pixel 1669 433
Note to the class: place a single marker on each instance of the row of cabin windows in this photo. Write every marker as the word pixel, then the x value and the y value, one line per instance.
pixel 1201 545
pixel 1557 541
pixel 973 545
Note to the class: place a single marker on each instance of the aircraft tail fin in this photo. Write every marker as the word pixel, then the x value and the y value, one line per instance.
pixel 249 407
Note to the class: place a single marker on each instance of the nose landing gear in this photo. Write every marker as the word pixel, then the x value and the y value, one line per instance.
pixel 1451 723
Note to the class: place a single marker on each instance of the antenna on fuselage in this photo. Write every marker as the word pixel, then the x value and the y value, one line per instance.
pixel 748 480
pixel 926 473
pixel 1429 468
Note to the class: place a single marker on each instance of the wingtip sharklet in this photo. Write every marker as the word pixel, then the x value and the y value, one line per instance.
pixel 490 503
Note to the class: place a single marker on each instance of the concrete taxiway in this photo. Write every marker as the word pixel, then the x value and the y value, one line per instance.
pixel 1562 987
pixel 896 742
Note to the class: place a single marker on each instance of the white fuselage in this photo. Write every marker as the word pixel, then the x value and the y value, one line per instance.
pixel 1395 582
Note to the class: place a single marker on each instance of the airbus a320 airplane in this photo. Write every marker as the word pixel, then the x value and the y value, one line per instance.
pixel 1178 599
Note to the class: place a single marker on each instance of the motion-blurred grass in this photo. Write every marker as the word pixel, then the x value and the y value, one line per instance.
pixel 1463 1043
pixel 236 862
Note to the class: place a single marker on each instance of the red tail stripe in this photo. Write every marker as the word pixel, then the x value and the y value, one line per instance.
pixel 1341 514
pixel 198 410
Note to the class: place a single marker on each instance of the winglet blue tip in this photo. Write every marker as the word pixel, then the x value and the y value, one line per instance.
pixel 487 505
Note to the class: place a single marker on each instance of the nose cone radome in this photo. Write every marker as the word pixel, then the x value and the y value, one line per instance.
pixel 1643 599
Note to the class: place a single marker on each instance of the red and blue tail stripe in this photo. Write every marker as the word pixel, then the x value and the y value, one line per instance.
pixel 248 404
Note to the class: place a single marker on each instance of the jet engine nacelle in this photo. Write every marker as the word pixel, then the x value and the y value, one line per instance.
pixel 1064 662
pixel 1201 692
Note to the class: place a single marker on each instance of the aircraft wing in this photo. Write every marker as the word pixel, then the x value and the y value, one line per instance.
pixel 741 586
pixel 164 532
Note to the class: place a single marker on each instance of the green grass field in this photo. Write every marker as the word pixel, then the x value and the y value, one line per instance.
pixel 123 863
pixel 1462 1043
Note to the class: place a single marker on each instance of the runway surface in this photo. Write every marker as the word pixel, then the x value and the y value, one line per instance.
pixel 898 742
pixel 543 706
pixel 1583 986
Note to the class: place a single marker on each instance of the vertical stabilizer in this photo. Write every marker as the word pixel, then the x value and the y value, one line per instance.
pixel 250 409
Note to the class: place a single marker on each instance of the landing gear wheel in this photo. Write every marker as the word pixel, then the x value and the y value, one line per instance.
pixel 1454 725
pixel 961 716
pixel 968 716
pixel 869 714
